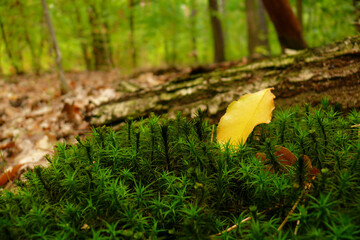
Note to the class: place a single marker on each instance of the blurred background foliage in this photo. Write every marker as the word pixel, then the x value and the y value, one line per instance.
pixel 138 34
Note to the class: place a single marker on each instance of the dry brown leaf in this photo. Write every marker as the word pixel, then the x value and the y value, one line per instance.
pixel 287 159
pixel 9 174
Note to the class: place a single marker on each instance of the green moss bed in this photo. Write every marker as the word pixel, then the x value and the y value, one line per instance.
pixel 159 178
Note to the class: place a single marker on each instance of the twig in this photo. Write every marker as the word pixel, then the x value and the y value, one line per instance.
pixel 298 221
pixel 306 189
pixel 357 125
pixel 230 228
pixel 297 227
pixel 291 211
pixel 242 221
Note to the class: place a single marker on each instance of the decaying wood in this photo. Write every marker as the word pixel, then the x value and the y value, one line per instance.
pixel 305 76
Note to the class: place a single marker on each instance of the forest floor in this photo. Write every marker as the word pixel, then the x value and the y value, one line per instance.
pixel 34 116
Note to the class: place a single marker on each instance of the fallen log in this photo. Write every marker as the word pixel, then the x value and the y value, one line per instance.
pixel 331 71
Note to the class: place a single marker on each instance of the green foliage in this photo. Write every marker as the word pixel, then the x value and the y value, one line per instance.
pixel 164 178
pixel 175 32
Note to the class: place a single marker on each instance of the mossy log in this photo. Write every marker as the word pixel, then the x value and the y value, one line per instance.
pixel 331 71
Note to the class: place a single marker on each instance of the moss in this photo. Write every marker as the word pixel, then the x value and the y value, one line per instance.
pixel 169 179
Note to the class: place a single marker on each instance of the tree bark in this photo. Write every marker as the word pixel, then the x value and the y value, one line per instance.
pixel 263 28
pixel 64 87
pixel 132 33
pixel 217 32
pixel 299 12
pixel 286 24
pixel 332 71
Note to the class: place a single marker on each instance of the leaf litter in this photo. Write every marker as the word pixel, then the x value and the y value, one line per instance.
pixel 34 116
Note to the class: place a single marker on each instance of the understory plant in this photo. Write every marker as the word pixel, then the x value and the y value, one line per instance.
pixel 160 178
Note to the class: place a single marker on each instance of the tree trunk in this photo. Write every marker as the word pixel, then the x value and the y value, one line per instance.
pixel 193 14
pixel 332 71
pixel 64 87
pixel 42 40
pixel 263 28
pixel 35 60
pixel 222 7
pixel 99 51
pixel 80 34
pixel 107 41
pixel 7 48
pixel 253 40
pixel 132 33
pixel 286 24
pixel 357 14
pixel 257 40
pixel 106 34
pixel 299 12
pixel 217 32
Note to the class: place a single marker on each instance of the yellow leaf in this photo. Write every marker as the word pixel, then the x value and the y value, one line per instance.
pixel 243 115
